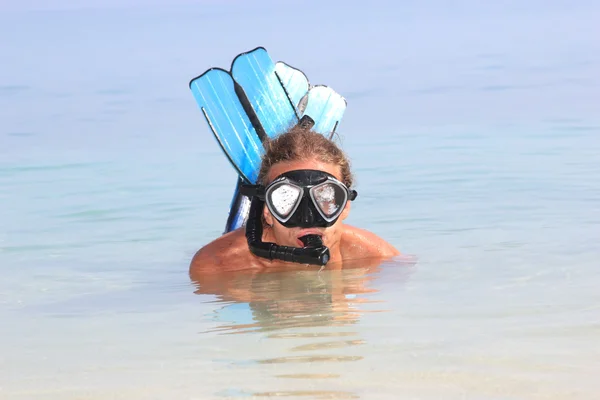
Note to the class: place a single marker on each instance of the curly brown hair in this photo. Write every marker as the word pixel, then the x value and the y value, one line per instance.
pixel 299 143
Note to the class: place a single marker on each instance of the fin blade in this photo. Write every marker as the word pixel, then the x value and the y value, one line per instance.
pixel 254 71
pixel 215 95
pixel 326 107
pixel 295 83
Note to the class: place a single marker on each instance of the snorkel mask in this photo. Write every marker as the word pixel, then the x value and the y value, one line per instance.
pixel 301 198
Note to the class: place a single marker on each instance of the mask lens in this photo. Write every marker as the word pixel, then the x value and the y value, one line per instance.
pixel 329 198
pixel 283 199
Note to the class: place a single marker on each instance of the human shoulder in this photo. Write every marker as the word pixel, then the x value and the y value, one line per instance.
pixel 224 253
pixel 360 243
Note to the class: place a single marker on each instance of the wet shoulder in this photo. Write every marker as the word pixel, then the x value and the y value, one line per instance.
pixel 360 243
pixel 225 253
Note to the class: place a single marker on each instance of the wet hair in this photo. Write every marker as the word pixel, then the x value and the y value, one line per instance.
pixel 299 144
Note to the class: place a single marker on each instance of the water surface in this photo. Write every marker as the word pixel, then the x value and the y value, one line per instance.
pixel 474 136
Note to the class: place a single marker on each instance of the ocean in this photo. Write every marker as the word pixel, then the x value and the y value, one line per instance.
pixel 474 135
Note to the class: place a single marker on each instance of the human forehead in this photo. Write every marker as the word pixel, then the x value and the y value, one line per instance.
pixel 283 167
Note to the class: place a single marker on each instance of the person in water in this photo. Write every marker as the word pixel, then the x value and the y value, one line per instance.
pixel 305 182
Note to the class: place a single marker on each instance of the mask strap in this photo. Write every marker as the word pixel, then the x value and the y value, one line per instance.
pixel 352 194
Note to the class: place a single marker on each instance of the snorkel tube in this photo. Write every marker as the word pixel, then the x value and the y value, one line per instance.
pixel 314 251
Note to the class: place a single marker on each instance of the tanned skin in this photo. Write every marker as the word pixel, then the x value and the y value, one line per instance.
pixel 346 243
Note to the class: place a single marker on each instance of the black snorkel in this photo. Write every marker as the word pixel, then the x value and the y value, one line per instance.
pixel 314 251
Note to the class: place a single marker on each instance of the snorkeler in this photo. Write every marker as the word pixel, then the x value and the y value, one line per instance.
pixel 294 184
pixel 299 205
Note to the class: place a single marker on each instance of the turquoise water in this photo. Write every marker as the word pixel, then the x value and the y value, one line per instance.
pixel 475 138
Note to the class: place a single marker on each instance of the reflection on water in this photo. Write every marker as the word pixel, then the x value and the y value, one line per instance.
pixel 374 331
pixel 280 300
pixel 477 329
pixel 308 314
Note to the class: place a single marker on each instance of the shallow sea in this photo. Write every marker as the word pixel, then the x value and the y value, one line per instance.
pixel 474 135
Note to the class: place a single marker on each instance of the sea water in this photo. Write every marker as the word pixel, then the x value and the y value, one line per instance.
pixel 474 134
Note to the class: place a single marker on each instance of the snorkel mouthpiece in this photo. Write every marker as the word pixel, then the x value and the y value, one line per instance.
pixel 311 240
pixel 314 251
pixel 313 244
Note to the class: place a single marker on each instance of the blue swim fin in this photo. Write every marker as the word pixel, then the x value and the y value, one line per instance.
pixel 257 100
pixel 215 93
